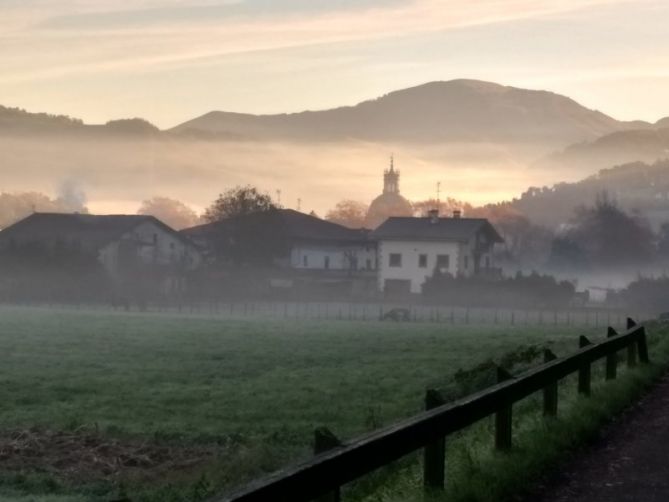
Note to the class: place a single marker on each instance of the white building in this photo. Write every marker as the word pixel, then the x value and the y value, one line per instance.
pixel 127 246
pixel 293 240
pixel 411 249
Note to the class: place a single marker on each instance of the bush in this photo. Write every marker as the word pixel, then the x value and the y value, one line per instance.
pixel 522 291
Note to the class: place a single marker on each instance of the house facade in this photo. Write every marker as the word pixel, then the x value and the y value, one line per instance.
pixel 410 250
pixel 287 239
pixel 130 248
pixel 298 253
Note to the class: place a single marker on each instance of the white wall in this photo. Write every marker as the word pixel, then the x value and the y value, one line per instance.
pixel 157 246
pixel 315 256
pixel 410 251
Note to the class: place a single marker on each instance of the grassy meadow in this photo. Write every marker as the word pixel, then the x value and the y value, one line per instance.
pixel 232 399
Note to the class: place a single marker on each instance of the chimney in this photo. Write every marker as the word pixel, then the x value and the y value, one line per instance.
pixel 433 214
pixel 457 214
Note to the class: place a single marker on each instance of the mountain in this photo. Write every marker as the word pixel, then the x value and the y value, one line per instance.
pixel 638 187
pixel 645 144
pixel 19 122
pixel 476 138
pixel 456 110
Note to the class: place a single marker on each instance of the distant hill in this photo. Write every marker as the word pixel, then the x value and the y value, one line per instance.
pixel 19 122
pixel 457 110
pixel 476 138
pixel 636 187
pixel 645 144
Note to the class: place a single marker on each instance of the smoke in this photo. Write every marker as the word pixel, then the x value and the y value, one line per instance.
pixel 71 197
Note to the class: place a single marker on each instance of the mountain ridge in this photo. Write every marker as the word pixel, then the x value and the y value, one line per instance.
pixel 454 110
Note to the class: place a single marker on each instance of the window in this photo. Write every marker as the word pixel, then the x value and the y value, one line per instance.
pixel 466 262
pixel 443 261
pixel 422 261
pixel 368 264
pixel 327 262
pixel 305 261
pixel 487 262
pixel 395 260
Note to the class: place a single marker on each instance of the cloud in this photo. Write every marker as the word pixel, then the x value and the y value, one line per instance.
pixel 136 39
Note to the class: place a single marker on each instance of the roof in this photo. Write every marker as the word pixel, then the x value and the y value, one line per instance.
pixel 95 231
pixel 291 223
pixel 425 229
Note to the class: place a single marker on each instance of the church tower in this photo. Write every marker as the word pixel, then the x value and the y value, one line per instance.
pixel 390 202
pixel 391 179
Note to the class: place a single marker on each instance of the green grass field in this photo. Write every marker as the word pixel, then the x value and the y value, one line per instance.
pixel 233 399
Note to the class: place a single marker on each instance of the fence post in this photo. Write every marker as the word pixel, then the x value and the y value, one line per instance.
pixel 325 440
pixel 503 418
pixel 611 359
pixel 584 374
pixel 632 348
pixel 643 346
pixel 434 459
pixel 550 391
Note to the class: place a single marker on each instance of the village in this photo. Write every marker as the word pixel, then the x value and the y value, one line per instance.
pixel 284 252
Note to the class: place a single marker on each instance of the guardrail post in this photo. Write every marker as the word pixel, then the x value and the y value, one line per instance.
pixel 643 346
pixel 434 459
pixel 611 359
pixel 504 418
pixel 325 440
pixel 550 391
pixel 584 374
pixel 632 348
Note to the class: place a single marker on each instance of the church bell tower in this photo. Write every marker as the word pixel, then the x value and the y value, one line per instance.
pixel 391 179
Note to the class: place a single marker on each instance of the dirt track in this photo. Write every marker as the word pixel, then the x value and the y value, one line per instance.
pixel 628 463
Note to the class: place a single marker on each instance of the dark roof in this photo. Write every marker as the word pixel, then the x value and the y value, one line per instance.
pixel 290 223
pixel 425 229
pixel 94 231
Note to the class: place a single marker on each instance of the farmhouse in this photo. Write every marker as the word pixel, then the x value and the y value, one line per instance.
pixel 127 246
pixel 411 249
pixel 288 239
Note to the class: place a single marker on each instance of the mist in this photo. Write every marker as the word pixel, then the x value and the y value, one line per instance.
pixel 118 174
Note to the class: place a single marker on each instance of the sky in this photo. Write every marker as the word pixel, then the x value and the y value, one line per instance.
pixel 172 60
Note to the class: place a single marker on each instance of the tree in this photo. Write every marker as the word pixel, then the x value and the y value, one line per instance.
pixel 238 201
pixel 16 206
pixel 170 211
pixel 349 213
pixel 606 236
pixel 525 243
pixel 445 207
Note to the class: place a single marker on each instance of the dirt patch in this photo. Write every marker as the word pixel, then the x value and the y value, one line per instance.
pixel 84 456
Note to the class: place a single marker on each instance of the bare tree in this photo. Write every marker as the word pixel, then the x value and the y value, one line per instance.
pixel 349 213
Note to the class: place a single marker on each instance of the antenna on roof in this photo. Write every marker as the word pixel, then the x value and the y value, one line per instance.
pixel 299 204
pixel 278 197
pixel 438 194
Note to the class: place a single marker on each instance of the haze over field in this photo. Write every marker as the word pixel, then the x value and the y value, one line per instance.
pixel 477 138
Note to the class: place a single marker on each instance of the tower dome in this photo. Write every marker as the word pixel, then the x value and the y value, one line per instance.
pixel 390 202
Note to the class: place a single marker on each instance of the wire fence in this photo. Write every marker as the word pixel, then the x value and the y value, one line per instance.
pixel 371 312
